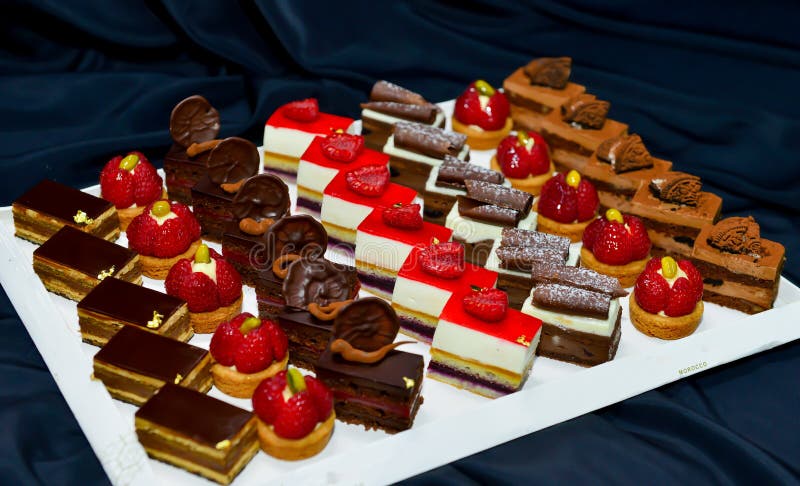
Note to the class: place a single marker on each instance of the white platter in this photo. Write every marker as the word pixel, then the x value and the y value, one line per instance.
pixel 451 424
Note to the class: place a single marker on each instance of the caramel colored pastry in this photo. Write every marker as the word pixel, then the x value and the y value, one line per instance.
pixel 573 231
pixel 48 206
pixel 207 322
pixel 626 274
pixel 296 449
pixel 158 268
pixel 242 385
pixel 479 139
pixel 664 327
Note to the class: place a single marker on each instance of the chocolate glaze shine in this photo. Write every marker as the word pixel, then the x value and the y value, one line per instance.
pixel 129 302
pixel 232 160
pixel 83 252
pixel 261 196
pixel 386 375
pixel 193 120
pixel 62 202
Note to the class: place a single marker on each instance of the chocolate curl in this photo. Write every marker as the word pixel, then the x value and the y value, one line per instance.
pixel 280 266
pixel 545 273
pixel 570 300
pixel 677 187
pixel 327 312
pixel 428 140
pixel 418 113
pixel 505 197
pixel 530 238
pixel 586 111
pixel 522 259
pixel 625 153
pixel 454 172
pixel 553 72
pixel 386 91
pixel 471 208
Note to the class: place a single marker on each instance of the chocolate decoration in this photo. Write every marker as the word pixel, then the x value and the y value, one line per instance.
pixel 83 252
pixel 367 324
pixel 128 302
pixel 523 259
pixel 505 197
pixel 586 111
pixel 453 172
pixel 261 196
pixel 471 208
pixel 62 202
pixel 571 300
pixel 293 234
pixel 193 414
pixel 428 140
pixel 737 235
pixel 552 72
pixel 232 160
pixel 530 238
pixel 386 91
pixel 544 273
pixel 625 153
pixel 193 120
pixel 315 279
pixel 418 113
pixel 677 187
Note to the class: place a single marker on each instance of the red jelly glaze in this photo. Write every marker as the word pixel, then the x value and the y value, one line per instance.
pixel 395 193
pixel 514 325
pixel 374 225
pixel 323 125
pixel 316 156
pixel 473 275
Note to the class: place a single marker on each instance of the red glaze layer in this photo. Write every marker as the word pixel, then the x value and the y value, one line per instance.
pixel 374 225
pixel 473 274
pixel 323 125
pixel 395 193
pixel 314 155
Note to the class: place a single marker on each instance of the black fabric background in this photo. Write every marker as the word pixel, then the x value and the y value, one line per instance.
pixel 710 85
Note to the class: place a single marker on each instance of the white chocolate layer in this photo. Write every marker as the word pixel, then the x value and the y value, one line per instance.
pixel 493 262
pixel 381 252
pixel 286 141
pixel 472 231
pixel 592 325
pixel 420 297
pixel 383 117
pixel 343 213
pixel 314 177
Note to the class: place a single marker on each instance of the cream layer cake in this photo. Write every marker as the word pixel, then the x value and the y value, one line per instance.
pixel 381 249
pixel 420 294
pixel 488 358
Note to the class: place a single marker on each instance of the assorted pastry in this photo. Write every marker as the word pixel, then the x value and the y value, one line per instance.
pixel 389 104
pixel 130 183
pixel 482 113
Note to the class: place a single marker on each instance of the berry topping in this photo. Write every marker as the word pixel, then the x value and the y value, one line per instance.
pixel 200 291
pixel 489 304
pixel 297 419
pixel 303 110
pixel 617 239
pixel 558 200
pixel 640 240
pixel 163 236
pixel 369 180
pixel 523 155
pixel 130 180
pixel 292 404
pixel 483 106
pixel 444 260
pixel 613 245
pixel 342 146
pixel 651 292
pixel 160 209
pixel 129 162
pixel 245 342
pixel 404 216
pixel 667 286
pixel 588 202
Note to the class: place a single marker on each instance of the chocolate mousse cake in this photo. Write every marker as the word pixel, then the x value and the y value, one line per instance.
pixel 115 304
pixel 71 263
pixel 674 210
pixel 49 206
pixel 196 432
pixel 541 86
pixel 228 165
pixel 446 183
pixel 580 313
pixel 513 255
pixel 373 384
pixel 388 104
pixel 134 364
pixel 479 217
pixel 740 269
pixel 415 149
pixel 194 126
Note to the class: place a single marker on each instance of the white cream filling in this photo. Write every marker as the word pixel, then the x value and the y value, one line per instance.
pixel 389 119
pixel 420 297
pixel 592 325
pixel 286 141
pixel 381 252
pixel 162 219
pixel 391 150
pixel 314 177
pixel 471 231
pixel 493 261
pixel 210 269
pixel 343 213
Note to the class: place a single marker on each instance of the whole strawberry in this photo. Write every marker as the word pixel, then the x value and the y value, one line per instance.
pixel 206 283
pixel 292 404
pixel 304 111
pixel 558 200
pixel 163 230
pixel 368 180
pixel 667 286
pixel 248 343
pixel 342 146
pixel 129 180
pixel 403 216
pixel 488 304
pixel 617 240
pixel 443 260
pixel 483 106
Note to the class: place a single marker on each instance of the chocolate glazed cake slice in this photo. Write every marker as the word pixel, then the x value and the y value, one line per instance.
pixel 580 313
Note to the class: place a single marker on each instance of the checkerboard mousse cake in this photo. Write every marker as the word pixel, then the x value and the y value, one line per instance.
pixel 291 129
pixel 541 86
pixel 115 304
pixel 193 126
pixel 196 432
pixel 482 346
pixel 134 364
pixel 389 104
pixel 326 157
pixel 415 149
pixel 385 239
pixel 479 217
pixel 446 183
pixel 48 206
pixel 71 263
pixel 426 281
pixel 580 313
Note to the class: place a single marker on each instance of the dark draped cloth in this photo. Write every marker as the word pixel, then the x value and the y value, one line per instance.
pixel 711 86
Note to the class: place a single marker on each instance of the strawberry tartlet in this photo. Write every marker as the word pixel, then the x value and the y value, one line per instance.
pixel 295 415
pixel 247 350
pixel 566 206
pixel 524 160
pixel 130 183
pixel 164 233
pixel 617 246
pixel 667 299
pixel 483 114
pixel 211 287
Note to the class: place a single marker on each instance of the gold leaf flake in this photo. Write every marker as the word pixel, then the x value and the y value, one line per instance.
pixel 106 273
pixel 409 382
pixel 523 341
pixel 80 217
pixel 178 378
pixel 223 444
pixel 155 322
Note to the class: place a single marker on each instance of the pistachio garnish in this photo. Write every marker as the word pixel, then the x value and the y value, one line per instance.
pixel 160 209
pixel 129 162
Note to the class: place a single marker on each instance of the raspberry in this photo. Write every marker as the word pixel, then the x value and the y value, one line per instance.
pixel 321 396
pixel 278 340
pixel 513 159
pixel 695 279
pixel 488 304
pixel 229 282
pixel 613 245
pixel 138 184
pixel 268 398
pixel 171 238
pixel 298 417
pixel 404 216
pixel 639 239
pixel 470 111
pixel 651 290
pixel 255 352
pixel 306 110
pixel 444 260
pixel 342 146
pixel 682 298
pixel 369 180
pixel 592 231
pixel 588 201
pixel 226 340
pixel 558 200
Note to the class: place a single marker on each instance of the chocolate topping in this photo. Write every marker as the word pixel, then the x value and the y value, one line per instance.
pixel 418 113
pixel 625 153
pixel 261 196
pixel 232 160
pixel 522 259
pixel 83 252
pixel 472 208
pixel 193 120
pixel 737 235
pixel 62 202
pixel 428 140
pixel 552 72
pixel 315 279
pixel 530 238
pixel 677 187
pixel 453 172
pixel 386 91
pixel 293 234
pixel 544 273
pixel 571 300
pixel 586 111
pixel 130 303
pixel 505 197
pixel 367 324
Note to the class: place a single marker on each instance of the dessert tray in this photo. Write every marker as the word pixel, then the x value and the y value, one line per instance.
pixel 451 423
